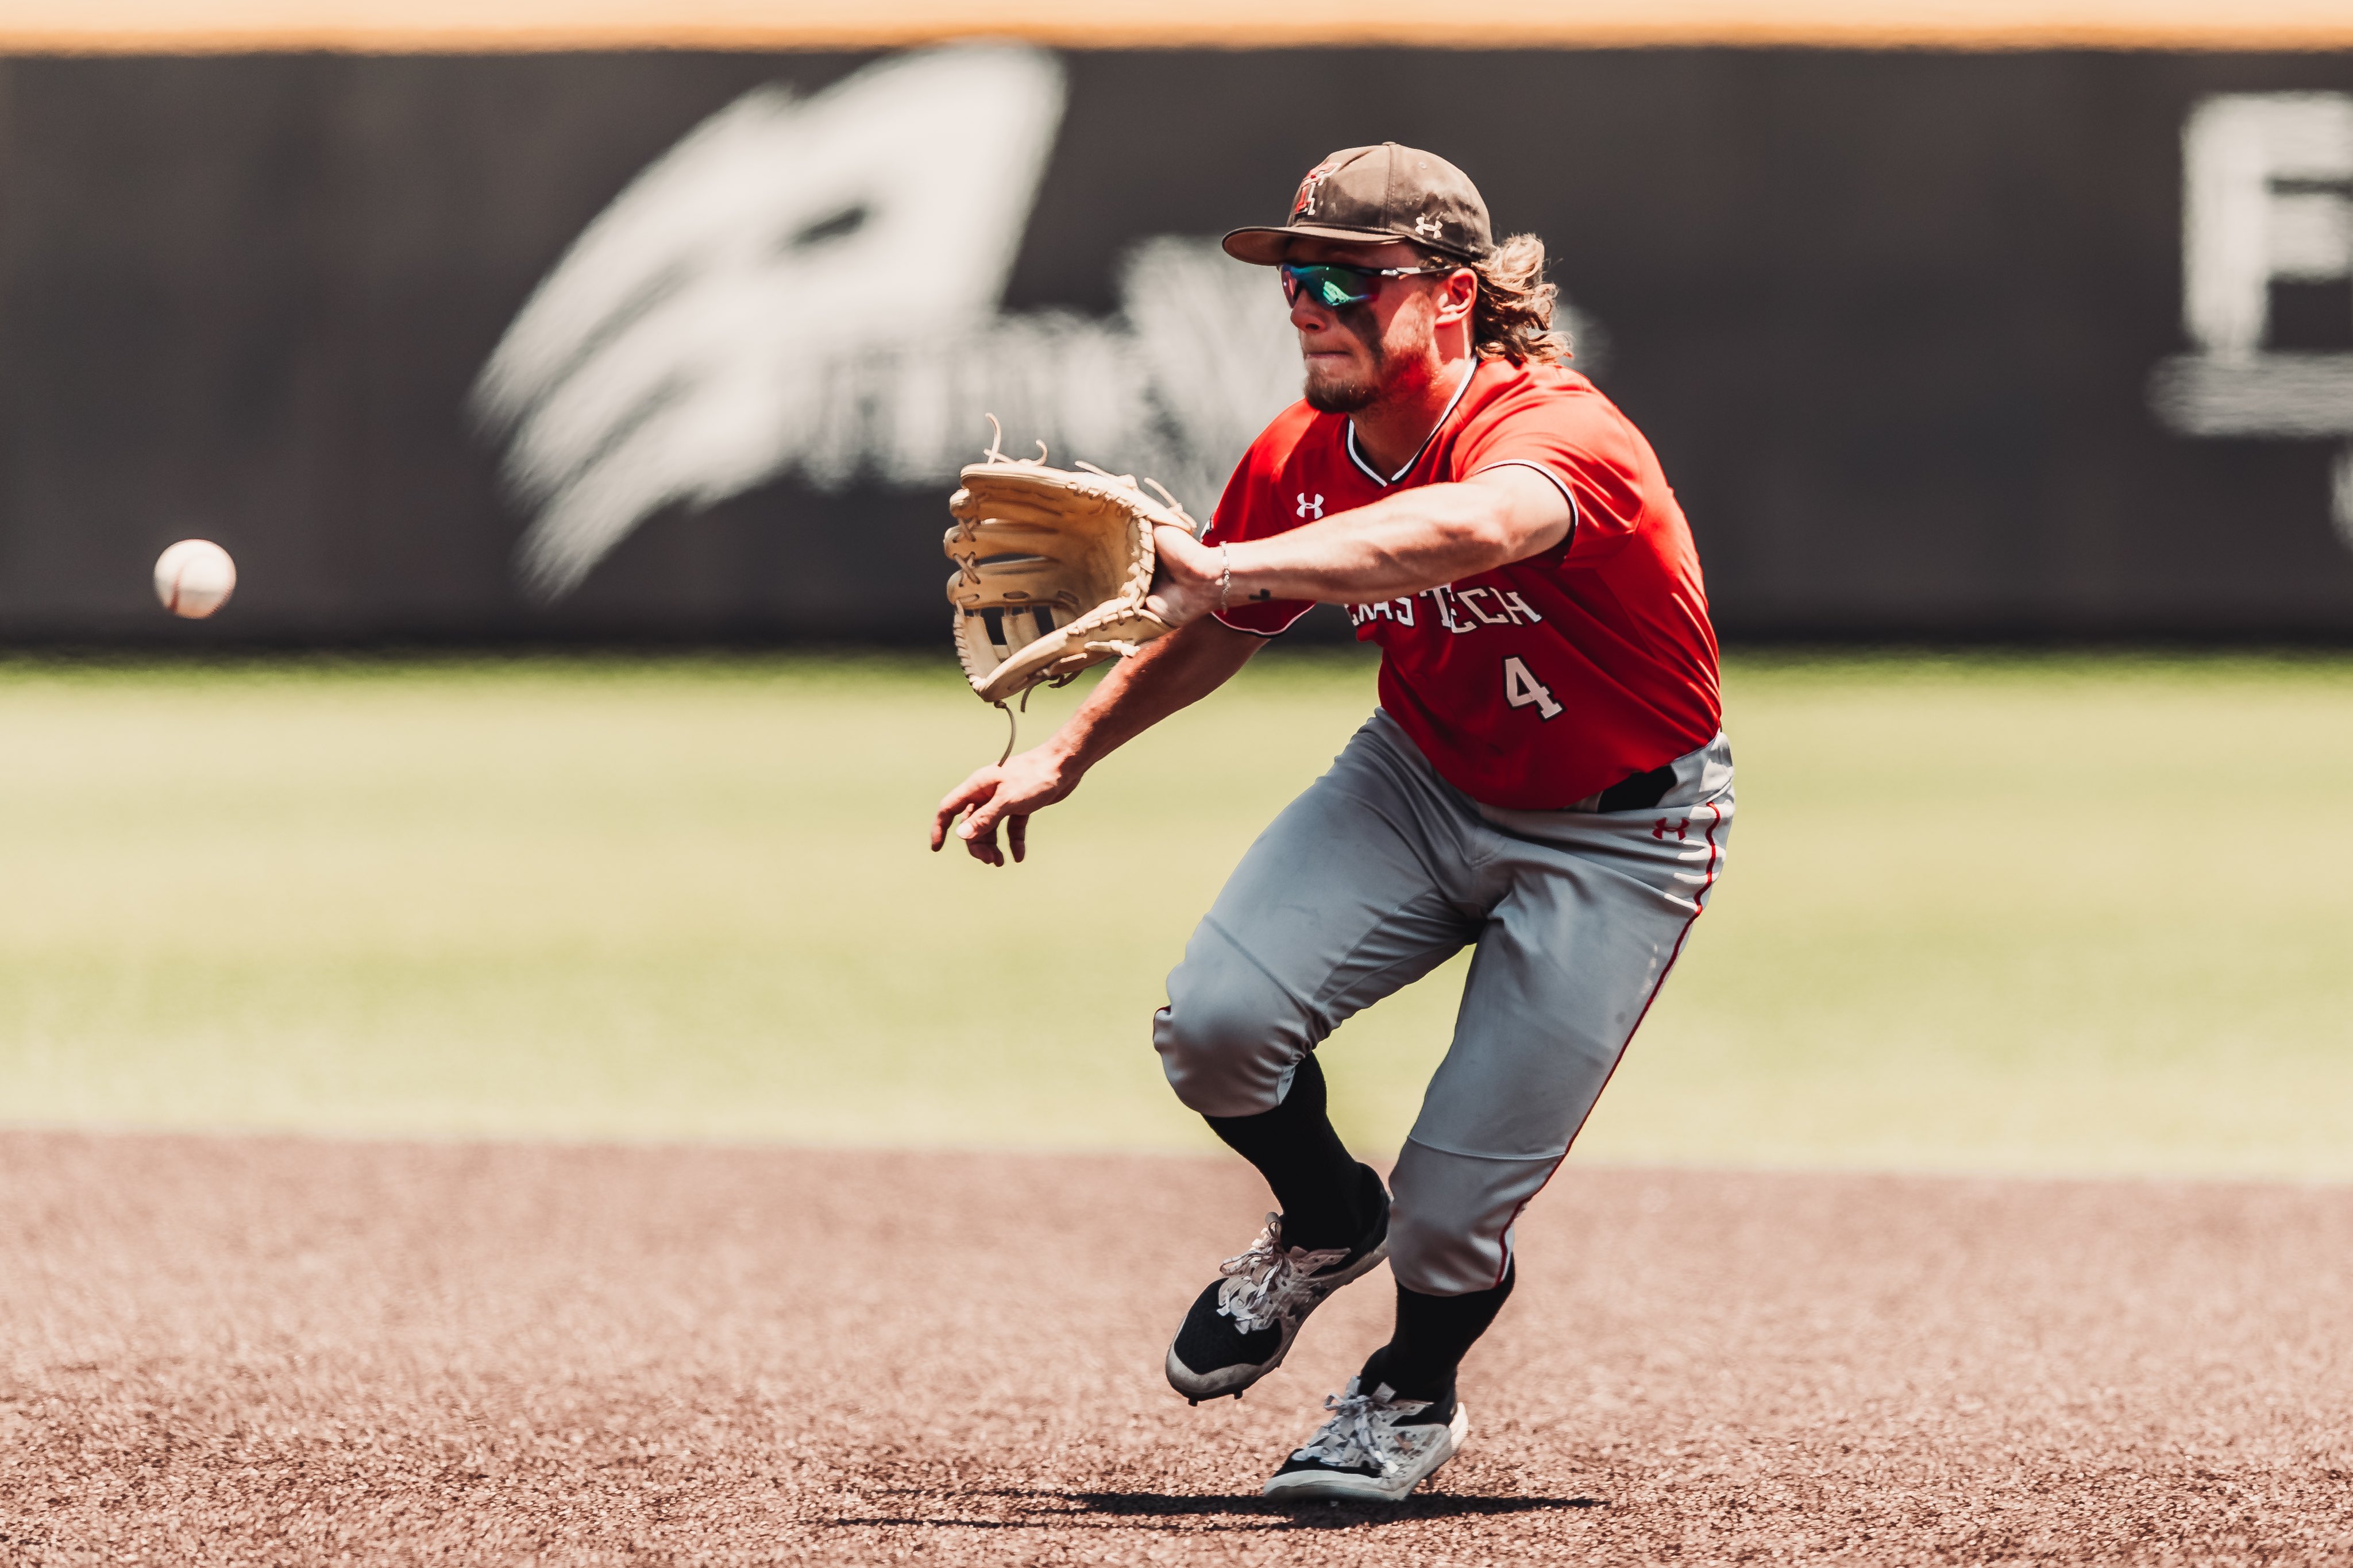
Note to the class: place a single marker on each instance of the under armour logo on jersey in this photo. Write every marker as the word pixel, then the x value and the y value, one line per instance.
pixel 1660 829
pixel 1310 509
pixel 1428 226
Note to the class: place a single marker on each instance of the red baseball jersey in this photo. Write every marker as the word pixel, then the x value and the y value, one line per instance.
pixel 1538 684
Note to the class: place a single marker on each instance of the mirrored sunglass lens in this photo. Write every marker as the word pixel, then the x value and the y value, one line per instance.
pixel 1338 289
pixel 1330 287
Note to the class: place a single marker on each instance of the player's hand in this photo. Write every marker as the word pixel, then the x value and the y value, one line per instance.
pixel 1184 579
pixel 1006 793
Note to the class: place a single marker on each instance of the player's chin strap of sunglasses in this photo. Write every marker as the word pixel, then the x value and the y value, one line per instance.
pixel 1328 283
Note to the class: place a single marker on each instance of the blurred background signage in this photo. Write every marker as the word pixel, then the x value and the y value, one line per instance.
pixel 813 287
pixel 461 340
pixel 2266 199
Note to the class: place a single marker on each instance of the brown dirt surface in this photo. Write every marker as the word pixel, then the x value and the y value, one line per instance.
pixel 220 1351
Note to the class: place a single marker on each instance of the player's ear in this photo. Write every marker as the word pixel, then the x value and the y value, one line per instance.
pixel 1458 294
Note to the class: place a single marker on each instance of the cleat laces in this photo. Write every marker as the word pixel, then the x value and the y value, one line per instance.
pixel 1267 1283
pixel 1360 1434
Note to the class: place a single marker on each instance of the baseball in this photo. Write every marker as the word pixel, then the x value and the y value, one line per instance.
pixel 194 577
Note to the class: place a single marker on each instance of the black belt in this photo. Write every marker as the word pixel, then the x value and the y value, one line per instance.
pixel 1638 793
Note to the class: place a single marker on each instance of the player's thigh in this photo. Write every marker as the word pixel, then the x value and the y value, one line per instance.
pixel 1562 975
pixel 1560 979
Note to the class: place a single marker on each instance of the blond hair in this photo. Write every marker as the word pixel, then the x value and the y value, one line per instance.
pixel 1513 318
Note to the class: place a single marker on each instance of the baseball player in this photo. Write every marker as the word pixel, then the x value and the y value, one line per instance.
pixel 1544 782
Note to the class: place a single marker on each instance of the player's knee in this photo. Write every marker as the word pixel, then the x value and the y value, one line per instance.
pixel 1444 1254
pixel 1227 1038
pixel 1450 1219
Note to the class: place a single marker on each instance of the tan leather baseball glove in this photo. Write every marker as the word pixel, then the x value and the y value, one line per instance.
pixel 1053 567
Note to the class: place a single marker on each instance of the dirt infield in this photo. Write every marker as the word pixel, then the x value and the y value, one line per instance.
pixel 252 1351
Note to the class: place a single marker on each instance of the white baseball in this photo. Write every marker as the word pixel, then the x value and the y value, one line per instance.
pixel 194 577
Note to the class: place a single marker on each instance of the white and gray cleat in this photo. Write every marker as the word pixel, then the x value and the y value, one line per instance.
pixel 1373 1447
pixel 1241 1328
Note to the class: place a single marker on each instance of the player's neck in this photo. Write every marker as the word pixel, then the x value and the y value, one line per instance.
pixel 1394 426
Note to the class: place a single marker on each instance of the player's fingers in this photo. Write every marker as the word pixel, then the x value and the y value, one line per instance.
pixel 982 845
pixel 1017 836
pixel 972 789
pixel 979 824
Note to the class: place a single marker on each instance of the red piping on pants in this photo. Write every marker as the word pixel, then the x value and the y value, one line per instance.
pixel 1699 907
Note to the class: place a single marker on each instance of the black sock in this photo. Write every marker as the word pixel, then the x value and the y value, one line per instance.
pixel 1433 1335
pixel 1327 1199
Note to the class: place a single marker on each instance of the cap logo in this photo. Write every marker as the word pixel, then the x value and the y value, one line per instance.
pixel 1305 202
pixel 1430 226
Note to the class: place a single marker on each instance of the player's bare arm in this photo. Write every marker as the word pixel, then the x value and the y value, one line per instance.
pixel 1133 694
pixel 1397 547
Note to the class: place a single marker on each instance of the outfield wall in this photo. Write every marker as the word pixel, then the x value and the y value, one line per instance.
pixel 688 345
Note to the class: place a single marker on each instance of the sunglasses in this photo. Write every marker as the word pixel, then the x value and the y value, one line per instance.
pixel 1332 284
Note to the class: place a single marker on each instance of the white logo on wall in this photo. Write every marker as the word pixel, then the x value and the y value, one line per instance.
pixel 812 287
pixel 2267 196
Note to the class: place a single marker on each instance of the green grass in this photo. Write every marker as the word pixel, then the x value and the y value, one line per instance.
pixel 2081 913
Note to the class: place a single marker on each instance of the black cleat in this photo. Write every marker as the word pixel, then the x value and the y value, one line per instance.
pixel 1374 1447
pixel 1241 1327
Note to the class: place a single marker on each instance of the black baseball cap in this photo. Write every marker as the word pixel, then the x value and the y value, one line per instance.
pixel 1370 194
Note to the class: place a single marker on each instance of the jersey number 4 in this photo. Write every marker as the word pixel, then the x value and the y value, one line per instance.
pixel 1522 689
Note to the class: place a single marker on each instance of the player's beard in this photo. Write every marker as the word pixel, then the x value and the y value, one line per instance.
pixel 1349 390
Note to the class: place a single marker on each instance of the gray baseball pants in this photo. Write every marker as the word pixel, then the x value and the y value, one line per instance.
pixel 1380 872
